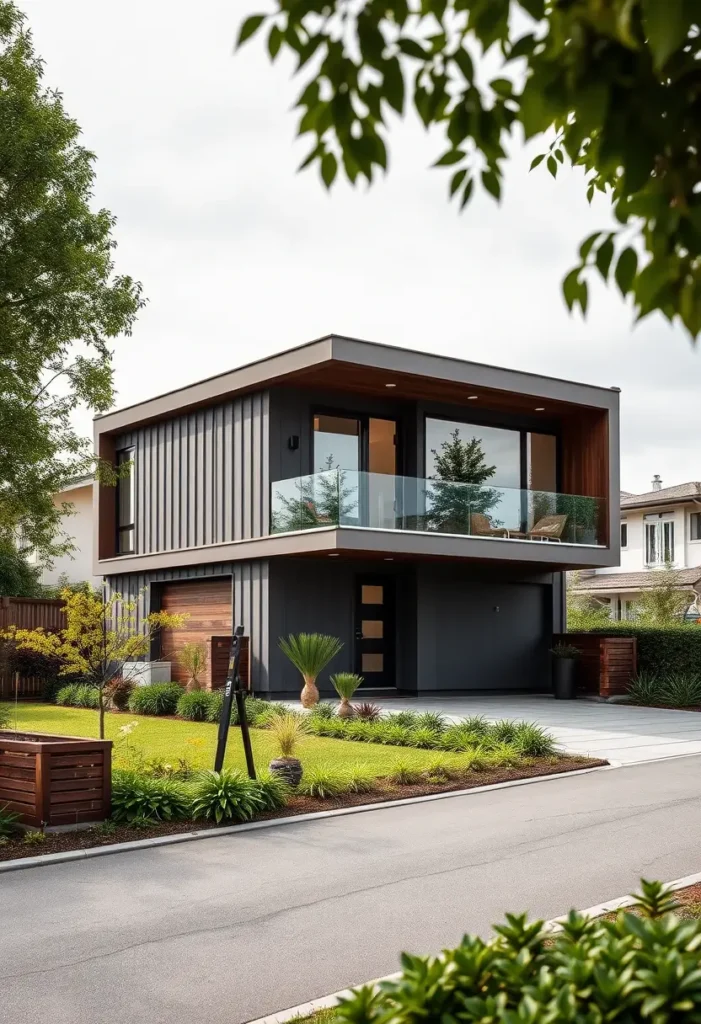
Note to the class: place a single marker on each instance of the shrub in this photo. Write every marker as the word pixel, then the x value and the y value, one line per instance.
pixel 323 711
pixel 193 658
pixel 646 688
pixel 662 650
pixel 5 716
pixel 431 720
pixel 460 737
pixel 682 690
pixel 194 706
pixel 136 796
pixel 273 792
pixel 405 774
pixel 66 695
pixel 360 780
pixel 367 711
pixel 86 696
pixel 392 734
pixel 477 724
pixel 503 731
pixel 8 821
pixel 155 699
pixel 310 653
pixel 531 740
pixel 35 838
pixel 632 968
pixel 226 796
pixel 324 783
pixel 424 738
pixel 287 731
pixel 345 684
pixel 440 771
pixel 407 719
pixel 362 731
pixel 118 692
pixel 216 699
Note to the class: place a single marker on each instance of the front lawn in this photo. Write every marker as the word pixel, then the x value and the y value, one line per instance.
pixel 171 738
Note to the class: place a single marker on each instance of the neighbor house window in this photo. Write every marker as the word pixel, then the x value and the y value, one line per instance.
pixel 659 540
pixel 695 525
pixel 624 535
pixel 125 503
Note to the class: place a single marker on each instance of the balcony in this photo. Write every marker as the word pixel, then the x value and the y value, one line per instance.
pixel 341 498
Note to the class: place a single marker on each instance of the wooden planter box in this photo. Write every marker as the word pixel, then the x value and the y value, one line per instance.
pixel 55 780
pixel 606 664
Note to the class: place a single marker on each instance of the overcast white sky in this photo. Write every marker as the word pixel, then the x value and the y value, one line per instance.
pixel 241 257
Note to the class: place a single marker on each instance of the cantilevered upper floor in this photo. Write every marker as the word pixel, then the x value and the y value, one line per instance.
pixel 348 446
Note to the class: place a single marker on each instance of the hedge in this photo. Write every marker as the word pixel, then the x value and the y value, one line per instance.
pixel 662 649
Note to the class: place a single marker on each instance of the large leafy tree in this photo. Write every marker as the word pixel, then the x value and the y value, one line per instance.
pixel 60 301
pixel 612 86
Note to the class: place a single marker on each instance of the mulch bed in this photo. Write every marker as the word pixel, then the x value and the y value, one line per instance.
pixel 87 838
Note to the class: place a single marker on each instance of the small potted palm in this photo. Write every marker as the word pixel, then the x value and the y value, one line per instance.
pixel 310 653
pixel 564 669
pixel 345 684
pixel 287 731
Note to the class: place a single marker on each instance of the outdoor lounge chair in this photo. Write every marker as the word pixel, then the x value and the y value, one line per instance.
pixel 547 528
pixel 480 526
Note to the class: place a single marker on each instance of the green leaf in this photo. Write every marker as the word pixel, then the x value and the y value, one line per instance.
pixel 274 41
pixel 464 62
pixel 666 24
pixel 502 86
pixel 626 269
pixel 393 80
pixel 604 256
pixel 491 182
pixel 452 156
pixel 559 156
pixel 536 8
pixel 467 193
pixel 249 28
pixel 329 166
pixel 537 160
pixel 552 165
pixel 570 288
pixel 586 246
pixel 523 47
pixel 457 180
pixel 412 48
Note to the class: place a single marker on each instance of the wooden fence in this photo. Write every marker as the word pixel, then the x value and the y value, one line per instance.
pixel 606 664
pixel 27 613
pixel 57 780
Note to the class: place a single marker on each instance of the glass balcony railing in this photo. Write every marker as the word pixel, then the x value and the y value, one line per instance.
pixel 382 502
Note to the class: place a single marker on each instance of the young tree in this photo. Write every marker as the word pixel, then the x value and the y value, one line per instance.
pixel 457 492
pixel 193 658
pixel 322 499
pixel 60 301
pixel 610 86
pixel 583 611
pixel 101 641
pixel 17 577
pixel 664 602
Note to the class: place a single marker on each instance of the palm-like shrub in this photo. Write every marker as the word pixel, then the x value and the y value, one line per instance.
pixel 310 653
pixel 193 658
pixel 226 796
pixel 155 699
pixel 194 706
pixel 345 684
pixel 136 796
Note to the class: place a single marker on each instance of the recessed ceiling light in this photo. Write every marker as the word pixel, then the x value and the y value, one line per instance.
pixel 471 398
pixel 390 385
pixel 389 559
pixel 334 554
pixel 540 408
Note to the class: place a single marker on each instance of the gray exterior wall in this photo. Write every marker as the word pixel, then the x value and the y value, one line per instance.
pixel 202 478
pixel 249 594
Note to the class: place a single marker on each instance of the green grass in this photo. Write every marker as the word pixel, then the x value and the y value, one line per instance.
pixel 169 739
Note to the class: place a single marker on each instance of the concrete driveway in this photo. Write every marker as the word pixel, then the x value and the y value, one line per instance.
pixel 617 732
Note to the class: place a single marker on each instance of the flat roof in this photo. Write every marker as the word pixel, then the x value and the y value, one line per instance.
pixel 292 364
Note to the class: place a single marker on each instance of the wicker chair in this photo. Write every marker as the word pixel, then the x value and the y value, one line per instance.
pixel 480 526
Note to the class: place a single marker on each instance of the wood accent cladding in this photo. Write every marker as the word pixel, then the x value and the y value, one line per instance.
pixel 220 646
pixel 207 603
pixel 585 459
pixel 606 664
pixel 107 503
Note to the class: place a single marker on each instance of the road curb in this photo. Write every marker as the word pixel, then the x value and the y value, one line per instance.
pixel 328 1002
pixel 49 859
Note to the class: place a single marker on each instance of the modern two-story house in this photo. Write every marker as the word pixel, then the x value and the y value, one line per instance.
pixel 420 508
pixel 660 527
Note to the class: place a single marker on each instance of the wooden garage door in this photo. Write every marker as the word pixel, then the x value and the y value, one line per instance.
pixel 207 603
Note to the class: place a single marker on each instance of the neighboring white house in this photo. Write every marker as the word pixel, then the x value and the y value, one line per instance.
pixel 658 527
pixel 78 565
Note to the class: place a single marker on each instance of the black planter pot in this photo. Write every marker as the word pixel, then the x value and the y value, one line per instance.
pixel 564 678
pixel 289 769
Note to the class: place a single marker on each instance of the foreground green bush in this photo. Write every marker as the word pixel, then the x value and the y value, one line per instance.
pixel 634 969
pixel 137 796
pixel 195 706
pixel 155 699
pixel 662 650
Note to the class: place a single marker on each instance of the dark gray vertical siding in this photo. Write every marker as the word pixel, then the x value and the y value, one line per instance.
pixel 202 478
pixel 250 602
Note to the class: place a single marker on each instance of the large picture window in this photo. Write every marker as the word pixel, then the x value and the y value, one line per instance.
pixel 125 503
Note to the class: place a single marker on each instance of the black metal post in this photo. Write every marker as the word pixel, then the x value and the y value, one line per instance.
pixel 233 688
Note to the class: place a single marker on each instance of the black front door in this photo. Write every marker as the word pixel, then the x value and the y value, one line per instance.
pixel 374 630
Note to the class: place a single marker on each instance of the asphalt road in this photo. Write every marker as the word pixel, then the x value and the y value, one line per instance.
pixel 225 930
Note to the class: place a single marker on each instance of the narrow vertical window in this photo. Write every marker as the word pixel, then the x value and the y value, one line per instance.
pixel 125 503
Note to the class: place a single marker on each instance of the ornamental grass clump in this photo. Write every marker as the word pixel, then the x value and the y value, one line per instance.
pixel 155 699
pixel 194 706
pixel 228 795
pixel 323 783
pixel 287 730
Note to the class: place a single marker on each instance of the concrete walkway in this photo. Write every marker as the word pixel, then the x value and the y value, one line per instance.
pixel 228 929
pixel 617 732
